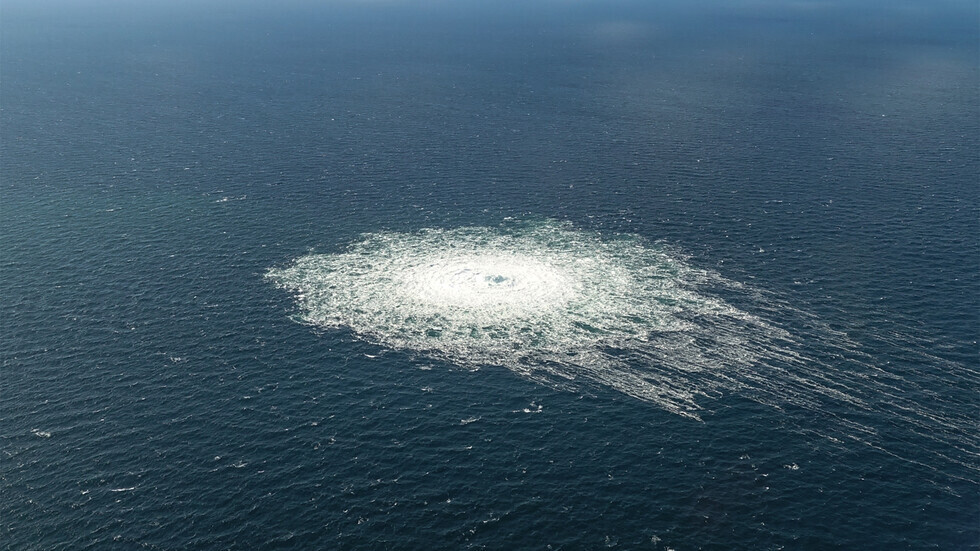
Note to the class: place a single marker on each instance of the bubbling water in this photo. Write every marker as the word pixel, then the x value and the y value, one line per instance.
pixel 552 303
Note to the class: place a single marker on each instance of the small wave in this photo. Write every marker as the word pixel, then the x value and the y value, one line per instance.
pixel 533 408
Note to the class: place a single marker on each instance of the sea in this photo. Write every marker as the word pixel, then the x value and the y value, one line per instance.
pixel 501 275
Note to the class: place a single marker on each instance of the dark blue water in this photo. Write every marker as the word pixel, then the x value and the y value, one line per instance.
pixel 157 391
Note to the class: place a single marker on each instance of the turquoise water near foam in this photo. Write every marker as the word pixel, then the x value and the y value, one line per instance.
pixel 158 390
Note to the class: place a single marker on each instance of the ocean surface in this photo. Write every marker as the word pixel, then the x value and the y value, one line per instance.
pixel 489 275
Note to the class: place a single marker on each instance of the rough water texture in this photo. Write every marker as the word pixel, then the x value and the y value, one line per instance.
pixel 762 215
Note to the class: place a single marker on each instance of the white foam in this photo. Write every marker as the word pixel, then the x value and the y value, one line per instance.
pixel 552 303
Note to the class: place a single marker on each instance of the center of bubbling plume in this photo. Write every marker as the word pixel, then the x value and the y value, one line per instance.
pixel 489 284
